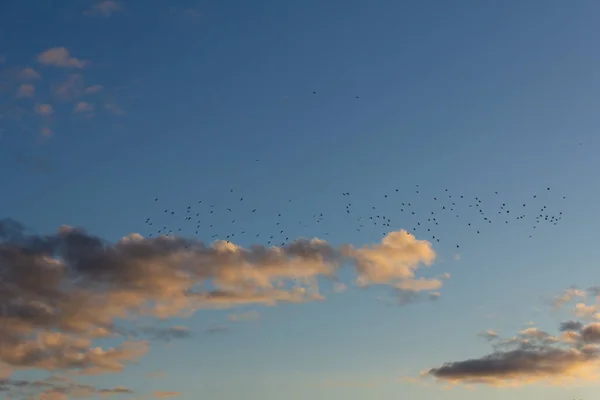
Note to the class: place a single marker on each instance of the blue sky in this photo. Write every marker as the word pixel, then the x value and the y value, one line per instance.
pixel 105 106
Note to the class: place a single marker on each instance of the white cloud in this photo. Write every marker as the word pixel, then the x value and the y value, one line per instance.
pixel 60 57
pixel 44 109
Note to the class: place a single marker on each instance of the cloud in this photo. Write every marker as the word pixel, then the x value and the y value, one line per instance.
pixel 247 316
pixel 55 388
pixel 586 311
pixel 70 89
pixel 104 8
pixel 45 131
pixel 83 106
pixel 168 334
pixel 158 374
pixel 533 356
pixel 489 335
pixel 29 74
pixel 339 287
pixel 188 14
pixel 60 57
pixel 213 330
pixel 44 109
pixel 571 326
pixel 591 333
pixel 63 292
pixel 192 14
pixel 114 109
pixel 164 394
pixel 93 89
pixel 25 90
pixel 567 296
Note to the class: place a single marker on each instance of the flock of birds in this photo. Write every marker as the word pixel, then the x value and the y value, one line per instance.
pixel 218 222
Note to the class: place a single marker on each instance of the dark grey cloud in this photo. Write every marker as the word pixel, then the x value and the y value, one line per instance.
pixel 531 356
pixel 574 326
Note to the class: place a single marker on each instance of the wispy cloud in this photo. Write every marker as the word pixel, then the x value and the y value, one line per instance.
pixel 158 374
pixel 25 90
pixel 167 334
pixel 247 316
pixel 114 109
pixel 56 388
pixel 213 330
pixel 29 73
pixel 192 15
pixel 82 107
pixel 69 89
pixel 104 8
pixel 165 394
pixel 60 57
pixel 93 89
pixel 567 296
pixel 44 109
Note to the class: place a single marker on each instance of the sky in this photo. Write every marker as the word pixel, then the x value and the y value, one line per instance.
pixel 269 199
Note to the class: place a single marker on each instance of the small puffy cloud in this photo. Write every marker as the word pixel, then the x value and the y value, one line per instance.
pixel 395 259
pixel 490 335
pixel 45 131
pixel 575 326
pixel 93 89
pixel 28 74
pixel 82 107
pixel 247 316
pixel 26 90
pixel 44 109
pixel 585 311
pixel 533 356
pixel 60 57
pixel 159 394
pixel 104 8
